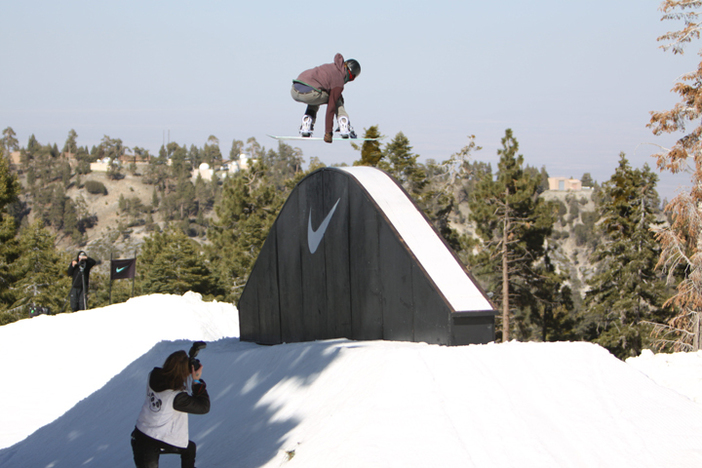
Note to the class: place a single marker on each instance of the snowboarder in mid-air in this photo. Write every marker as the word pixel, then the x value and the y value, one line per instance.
pixel 324 85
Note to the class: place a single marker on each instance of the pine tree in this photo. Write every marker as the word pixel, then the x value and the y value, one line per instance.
pixel 371 153
pixel 157 171
pixel 255 150
pixel 111 148
pixel 682 241
pixel 180 166
pixel 283 165
pixel 8 142
pixel 204 195
pixel 33 146
pixel 9 185
pixel 245 213
pixel 442 188
pixel 83 157
pixel 114 170
pixel 237 149
pixel 180 203
pixel 551 316
pixel 56 211
pixel 626 293
pixel 39 271
pixel 171 263
pixel 71 145
pixel 71 223
pixel 587 180
pixel 9 247
pixel 513 224
pixel 399 161
pixel 211 153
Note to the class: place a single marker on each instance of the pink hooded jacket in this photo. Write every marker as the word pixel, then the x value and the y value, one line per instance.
pixel 330 78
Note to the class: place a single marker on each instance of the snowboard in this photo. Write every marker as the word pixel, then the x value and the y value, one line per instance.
pixel 321 139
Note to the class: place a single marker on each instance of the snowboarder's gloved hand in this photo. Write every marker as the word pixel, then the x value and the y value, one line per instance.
pixel 328 137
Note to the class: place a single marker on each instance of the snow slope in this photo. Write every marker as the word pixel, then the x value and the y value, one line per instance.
pixel 679 371
pixel 66 357
pixel 334 403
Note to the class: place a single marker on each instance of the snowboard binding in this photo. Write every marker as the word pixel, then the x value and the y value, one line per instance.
pixel 345 129
pixel 307 126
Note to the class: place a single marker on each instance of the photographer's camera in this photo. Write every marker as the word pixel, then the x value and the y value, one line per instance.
pixel 194 350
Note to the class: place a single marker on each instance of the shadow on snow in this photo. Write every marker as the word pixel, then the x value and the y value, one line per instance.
pixel 240 429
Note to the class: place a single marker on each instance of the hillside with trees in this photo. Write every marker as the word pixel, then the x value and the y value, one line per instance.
pixel 558 265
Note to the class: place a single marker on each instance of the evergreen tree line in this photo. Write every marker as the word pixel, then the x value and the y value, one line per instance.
pixel 170 260
pixel 215 229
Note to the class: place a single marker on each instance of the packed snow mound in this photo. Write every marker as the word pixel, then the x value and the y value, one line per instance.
pixel 679 371
pixel 56 361
pixel 335 403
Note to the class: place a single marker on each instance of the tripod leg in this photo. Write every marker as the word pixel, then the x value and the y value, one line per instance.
pixel 85 292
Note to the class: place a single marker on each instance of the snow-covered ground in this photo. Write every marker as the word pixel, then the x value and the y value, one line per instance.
pixel 74 384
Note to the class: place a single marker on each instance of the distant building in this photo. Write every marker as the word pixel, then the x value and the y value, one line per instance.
pixel 203 171
pixel 564 183
pixel 15 158
pixel 236 165
pixel 139 159
pixel 102 165
pixel 228 167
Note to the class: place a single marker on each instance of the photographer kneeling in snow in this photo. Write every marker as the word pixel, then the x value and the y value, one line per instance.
pixel 162 426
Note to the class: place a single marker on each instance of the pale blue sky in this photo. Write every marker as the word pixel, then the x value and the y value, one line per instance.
pixel 574 80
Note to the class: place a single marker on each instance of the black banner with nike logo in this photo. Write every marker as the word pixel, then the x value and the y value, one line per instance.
pixel 123 268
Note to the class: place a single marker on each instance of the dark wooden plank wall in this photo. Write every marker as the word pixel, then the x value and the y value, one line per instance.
pixel 292 320
pixel 431 311
pixel 312 271
pixel 261 296
pixel 335 245
pixel 362 282
pixel 267 299
pixel 365 283
pixel 396 286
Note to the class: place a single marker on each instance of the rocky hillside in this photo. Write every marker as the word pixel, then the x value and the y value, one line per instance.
pixel 106 208
pixel 573 238
pixel 115 232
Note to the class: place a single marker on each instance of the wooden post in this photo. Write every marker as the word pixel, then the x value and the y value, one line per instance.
pixel 696 328
pixel 110 278
pixel 134 277
pixel 505 275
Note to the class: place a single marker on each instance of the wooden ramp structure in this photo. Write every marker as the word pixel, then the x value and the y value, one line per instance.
pixel 350 255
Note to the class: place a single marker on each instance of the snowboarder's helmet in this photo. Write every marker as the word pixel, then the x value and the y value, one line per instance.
pixel 354 68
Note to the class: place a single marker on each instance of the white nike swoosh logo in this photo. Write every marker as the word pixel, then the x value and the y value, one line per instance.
pixel 315 237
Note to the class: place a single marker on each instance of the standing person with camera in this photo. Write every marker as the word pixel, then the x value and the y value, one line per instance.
pixel 79 269
pixel 162 425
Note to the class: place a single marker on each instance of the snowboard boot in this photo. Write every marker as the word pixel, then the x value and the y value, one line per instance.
pixel 307 126
pixel 345 129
